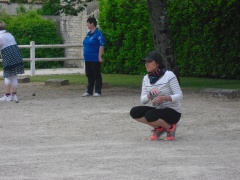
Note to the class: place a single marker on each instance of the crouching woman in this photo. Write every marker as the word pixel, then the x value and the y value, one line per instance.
pixel 161 87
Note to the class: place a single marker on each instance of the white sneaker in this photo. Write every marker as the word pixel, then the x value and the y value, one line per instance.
pixel 97 95
pixel 15 98
pixel 6 98
pixel 86 94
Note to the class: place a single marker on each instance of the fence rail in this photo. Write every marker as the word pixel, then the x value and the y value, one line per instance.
pixel 33 59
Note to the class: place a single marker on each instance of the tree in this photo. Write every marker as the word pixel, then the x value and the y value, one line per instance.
pixel 73 7
pixel 161 32
pixel 50 7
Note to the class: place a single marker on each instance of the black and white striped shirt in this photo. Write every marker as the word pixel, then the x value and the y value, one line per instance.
pixel 168 86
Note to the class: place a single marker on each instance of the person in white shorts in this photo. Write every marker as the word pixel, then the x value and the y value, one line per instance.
pixel 12 63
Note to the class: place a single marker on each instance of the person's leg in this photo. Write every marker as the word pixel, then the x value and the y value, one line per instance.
pixel 7 95
pixel 8 85
pixel 163 117
pixel 90 76
pixel 166 118
pixel 160 122
pixel 98 78
pixel 8 88
pixel 14 81
pixel 138 113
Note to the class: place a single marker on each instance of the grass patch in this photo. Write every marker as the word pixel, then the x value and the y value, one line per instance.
pixel 116 80
pixel 201 83
pixel 135 81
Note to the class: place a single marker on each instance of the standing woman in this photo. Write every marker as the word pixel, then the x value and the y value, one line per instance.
pixel 93 50
pixel 12 63
pixel 161 87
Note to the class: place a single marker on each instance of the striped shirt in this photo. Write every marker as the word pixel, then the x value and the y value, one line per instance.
pixel 168 86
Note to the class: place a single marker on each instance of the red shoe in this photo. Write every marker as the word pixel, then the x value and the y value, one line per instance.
pixel 157 132
pixel 171 133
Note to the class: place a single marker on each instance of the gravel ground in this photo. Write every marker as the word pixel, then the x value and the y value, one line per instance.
pixel 57 134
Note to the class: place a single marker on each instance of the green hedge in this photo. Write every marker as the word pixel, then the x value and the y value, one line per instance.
pixel 127 29
pixel 32 27
pixel 206 36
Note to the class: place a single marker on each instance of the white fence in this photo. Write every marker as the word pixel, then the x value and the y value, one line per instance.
pixel 33 59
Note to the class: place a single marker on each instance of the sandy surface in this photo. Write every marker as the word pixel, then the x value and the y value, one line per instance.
pixel 58 134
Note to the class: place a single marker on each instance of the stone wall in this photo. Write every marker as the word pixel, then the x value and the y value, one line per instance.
pixel 73 30
pixel 12 8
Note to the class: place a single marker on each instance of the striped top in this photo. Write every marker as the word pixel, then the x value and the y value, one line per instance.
pixel 168 86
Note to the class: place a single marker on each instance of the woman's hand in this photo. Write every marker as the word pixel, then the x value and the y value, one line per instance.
pixel 158 100
pixel 155 92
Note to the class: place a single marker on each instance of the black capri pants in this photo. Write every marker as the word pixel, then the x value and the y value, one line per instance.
pixel 151 114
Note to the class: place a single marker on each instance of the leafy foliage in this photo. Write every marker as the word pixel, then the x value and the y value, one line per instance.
pixel 4 17
pixel 53 7
pixel 32 27
pixel 127 29
pixel 73 7
pixel 50 7
pixel 206 34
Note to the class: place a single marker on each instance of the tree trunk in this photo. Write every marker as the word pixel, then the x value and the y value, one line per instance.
pixel 162 34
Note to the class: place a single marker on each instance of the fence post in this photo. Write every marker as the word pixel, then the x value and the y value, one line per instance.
pixel 32 58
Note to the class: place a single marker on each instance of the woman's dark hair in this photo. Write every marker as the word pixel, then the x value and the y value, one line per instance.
pixel 92 20
pixel 155 55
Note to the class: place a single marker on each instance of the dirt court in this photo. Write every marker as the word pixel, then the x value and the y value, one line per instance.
pixel 57 134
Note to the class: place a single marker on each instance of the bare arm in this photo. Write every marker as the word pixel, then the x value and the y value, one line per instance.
pixel 101 50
